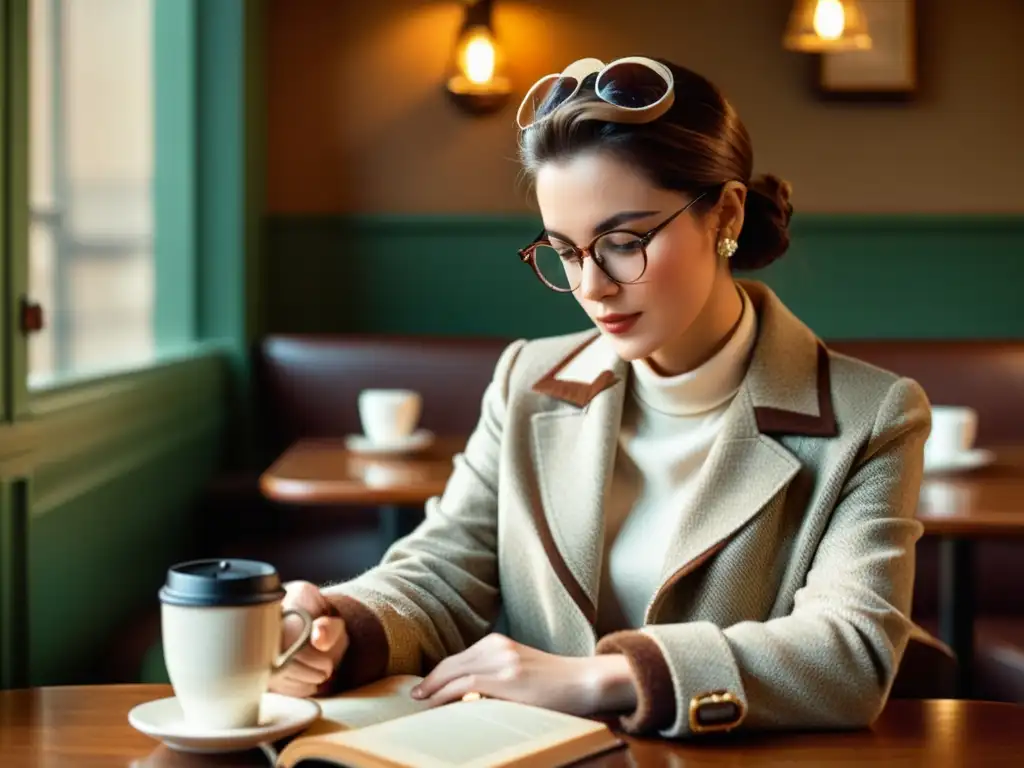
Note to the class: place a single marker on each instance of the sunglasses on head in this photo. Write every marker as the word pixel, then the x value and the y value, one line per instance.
pixel 634 89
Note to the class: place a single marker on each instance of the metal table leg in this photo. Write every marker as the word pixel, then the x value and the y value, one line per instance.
pixel 394 523
pixel 956 607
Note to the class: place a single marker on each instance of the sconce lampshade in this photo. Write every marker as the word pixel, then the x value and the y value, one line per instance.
pixel 476 79
pixel 824 26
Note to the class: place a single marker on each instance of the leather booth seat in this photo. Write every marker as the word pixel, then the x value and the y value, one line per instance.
pixel 308 385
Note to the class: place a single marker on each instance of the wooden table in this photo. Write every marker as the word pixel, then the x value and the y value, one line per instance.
pixel 986 502
pixel 960 509
pixel 323 471
pixel 87 726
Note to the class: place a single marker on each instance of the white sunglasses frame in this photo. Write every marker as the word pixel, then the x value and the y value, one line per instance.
pixel 605 110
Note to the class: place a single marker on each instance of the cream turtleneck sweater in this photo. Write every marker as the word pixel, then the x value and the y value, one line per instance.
pixel 668 427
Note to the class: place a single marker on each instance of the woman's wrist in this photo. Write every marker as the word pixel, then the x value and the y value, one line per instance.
pixel 611 683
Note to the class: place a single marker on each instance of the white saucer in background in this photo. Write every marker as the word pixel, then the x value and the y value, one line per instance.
pixel 417 441
pixel 959 462
pixel 280 716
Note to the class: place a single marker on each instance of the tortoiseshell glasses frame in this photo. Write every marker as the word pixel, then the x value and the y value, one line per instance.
pixel 621 254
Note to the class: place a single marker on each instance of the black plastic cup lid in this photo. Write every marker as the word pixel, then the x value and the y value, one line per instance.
pixel 221 583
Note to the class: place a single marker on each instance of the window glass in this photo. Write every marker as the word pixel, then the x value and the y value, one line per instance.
pixel 91 185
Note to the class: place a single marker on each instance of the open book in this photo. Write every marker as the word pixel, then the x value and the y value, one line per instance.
pixel 381 726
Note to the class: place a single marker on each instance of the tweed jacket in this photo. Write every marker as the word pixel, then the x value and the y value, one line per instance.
pixel 785 596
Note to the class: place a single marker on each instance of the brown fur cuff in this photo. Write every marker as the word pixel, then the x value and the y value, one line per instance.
pixel 366 659
pixel 656 698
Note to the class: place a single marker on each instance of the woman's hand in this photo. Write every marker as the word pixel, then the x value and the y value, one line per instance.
pixel 504 669
pixel 309 670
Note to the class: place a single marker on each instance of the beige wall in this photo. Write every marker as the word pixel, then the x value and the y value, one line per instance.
pixel 358 120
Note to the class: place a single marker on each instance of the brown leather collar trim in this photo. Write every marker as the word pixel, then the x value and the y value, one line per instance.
pixel 681 573
pixel 558 564
pixel 578 393
pixel 777 421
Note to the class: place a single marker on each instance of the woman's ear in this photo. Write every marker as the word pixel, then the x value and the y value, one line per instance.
pixel 727 216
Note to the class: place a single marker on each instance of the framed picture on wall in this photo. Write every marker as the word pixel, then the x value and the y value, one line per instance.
pixel 889 67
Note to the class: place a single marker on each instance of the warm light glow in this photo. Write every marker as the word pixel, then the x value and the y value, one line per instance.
pixel 478 58
pixel 823 26
pixel 829 19
pixel 476 80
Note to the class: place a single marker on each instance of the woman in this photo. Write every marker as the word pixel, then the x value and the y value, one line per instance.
pixel 697 516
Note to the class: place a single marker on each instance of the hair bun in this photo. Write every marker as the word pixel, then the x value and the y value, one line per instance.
pixel 765 234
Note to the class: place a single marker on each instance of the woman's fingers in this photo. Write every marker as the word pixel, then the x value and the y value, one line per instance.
pixel 493 654
pixel 300 672
pixel 304 674
pixel 450 668
pixel 315 659
pixel 328 632
pixel 455 689
pixel 313 665
pixel 290 687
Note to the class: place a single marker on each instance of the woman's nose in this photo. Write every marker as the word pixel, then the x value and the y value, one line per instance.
pixel 594 283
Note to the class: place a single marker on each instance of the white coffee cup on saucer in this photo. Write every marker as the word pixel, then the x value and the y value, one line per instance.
pixel 954 429
pixel 221 623
pixel 388 415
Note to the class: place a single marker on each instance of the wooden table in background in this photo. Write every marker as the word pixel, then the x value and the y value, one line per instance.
pixel 960 509
pixel 87 727
pixel 324 471
pixel 985 502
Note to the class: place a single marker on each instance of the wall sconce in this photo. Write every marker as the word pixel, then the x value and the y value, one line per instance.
pixel 826 26
pixel 475 78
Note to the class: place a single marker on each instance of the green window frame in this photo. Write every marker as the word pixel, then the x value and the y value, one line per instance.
pixel 208 196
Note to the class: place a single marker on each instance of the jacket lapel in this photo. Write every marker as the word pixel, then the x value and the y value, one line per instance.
pixel 743 473
pixel 786 391
pixel 573 451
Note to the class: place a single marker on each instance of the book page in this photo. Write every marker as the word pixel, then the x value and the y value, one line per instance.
pixel 477 734
pixel 375 703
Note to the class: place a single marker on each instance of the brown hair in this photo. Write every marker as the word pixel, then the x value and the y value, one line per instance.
pixel 697 146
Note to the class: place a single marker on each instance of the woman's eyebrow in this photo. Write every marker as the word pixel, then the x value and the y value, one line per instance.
pixel 619 219
pixel 616 220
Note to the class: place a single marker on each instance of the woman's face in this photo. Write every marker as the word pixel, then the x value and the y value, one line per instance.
pixel 580 198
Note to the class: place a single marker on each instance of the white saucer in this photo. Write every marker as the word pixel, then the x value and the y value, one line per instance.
pixel 959 462
pixel 417 441
pixel 280 716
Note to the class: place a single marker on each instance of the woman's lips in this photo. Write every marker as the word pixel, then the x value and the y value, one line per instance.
pixel 619 324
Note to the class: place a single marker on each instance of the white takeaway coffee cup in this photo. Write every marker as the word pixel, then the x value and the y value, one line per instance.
pixel 221 625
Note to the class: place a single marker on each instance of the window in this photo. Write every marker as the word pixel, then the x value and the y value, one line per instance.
pixel 91 162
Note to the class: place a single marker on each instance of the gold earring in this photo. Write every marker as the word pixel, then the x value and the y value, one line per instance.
pixel 727 247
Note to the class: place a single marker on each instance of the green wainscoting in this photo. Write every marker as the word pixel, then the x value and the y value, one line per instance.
pixel 846 276
pixel 13 576
pixel 99 479
pixel 112 471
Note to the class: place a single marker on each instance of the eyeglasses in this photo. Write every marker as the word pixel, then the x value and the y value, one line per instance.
pixel 634 89
pixel 621 254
